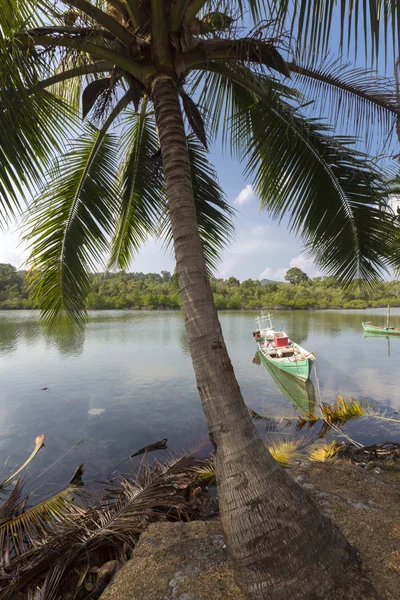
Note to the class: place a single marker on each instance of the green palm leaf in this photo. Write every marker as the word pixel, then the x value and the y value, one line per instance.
pixel 31 126
pixel 142 200
pixel 357 100
pixel 70 225
pixel 331 192
pixel 311 22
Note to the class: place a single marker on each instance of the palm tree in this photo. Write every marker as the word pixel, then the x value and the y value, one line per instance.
pixel 185 64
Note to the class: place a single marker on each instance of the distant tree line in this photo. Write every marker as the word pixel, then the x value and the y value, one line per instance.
pixel 159 291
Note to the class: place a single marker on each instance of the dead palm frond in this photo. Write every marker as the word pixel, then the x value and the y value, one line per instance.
pixel 206 472
pixel 39 443
pixel 323 453
pixel 287 452
pixel 269 422
pixel 342 410
pixel 62 547
pixel 19 533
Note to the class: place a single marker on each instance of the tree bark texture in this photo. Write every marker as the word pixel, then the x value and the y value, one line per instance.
pixel 281 546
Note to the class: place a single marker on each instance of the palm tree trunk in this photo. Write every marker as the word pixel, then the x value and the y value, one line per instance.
pixel 281 546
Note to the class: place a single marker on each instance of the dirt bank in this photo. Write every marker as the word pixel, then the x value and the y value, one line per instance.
pixel 189 561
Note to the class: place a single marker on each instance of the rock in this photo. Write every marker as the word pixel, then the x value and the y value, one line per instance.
pixel 179 561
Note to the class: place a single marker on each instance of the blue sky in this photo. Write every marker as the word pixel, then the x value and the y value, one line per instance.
pixel 261 248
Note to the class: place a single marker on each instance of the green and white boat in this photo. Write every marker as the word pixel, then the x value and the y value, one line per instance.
pixel 379 329
pixel 286 355
pixel 369 328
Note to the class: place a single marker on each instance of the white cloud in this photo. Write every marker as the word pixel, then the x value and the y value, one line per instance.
pixel 300 261
pixel 394 202
pixel 274 274
pixel 245 196
pixel 250 245
pixel 12 250
pixel 305 264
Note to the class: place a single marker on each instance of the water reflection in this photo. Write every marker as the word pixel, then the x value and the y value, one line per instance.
pixel 301 394
pixel 16 329
pixel 23 328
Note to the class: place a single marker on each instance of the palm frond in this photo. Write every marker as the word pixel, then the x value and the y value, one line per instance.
pixel 357 100
pixel 351 234
pixel 287 452
pixel 311 21
pixel 194 118
pixel 319 453
pixel 14 504
pixel 106 531
pixel 225 99
pixel 23 532
pixel 342 410
pixel 331 192
pixel 31 125
pixel 206 472
pixel 142 198
pixel 69 227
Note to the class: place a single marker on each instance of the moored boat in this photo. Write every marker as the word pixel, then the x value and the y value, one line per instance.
pixel 369 328
pixel 287 356
pixel 379 329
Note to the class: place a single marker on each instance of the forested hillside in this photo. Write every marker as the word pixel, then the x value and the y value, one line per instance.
pixel 157 291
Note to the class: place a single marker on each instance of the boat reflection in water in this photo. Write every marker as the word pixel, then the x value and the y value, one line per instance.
pixel 368 334
pixel 301 394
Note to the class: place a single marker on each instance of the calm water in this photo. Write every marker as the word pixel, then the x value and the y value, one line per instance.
pixel 135 367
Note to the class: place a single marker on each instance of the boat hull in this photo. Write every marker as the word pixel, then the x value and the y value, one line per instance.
pixel 301 394
pixel 300 369
pixel 380 330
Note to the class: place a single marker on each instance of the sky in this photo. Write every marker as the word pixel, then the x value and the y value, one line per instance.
pixel 261 247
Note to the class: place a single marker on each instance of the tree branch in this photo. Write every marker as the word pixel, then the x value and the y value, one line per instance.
pixel 78 31
pixel 245 50
pixel 177 14
pixel 160 32
pixel 141 72
pixel 336 82
pixel 99 67
pixel 104 19
pixel 193 9
pixel 136 13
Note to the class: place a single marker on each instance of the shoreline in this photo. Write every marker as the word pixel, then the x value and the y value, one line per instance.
pixel 243 309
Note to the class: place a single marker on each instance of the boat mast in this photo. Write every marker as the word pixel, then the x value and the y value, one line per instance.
pixel 388 316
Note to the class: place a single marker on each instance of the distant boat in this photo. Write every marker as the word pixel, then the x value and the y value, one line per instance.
pixel 379 329
pixel 286 355
pixel 368 328
pixel 301 394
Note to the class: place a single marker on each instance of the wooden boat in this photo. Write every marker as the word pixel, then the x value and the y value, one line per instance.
pixel 379 329
pixel 286 355
pixel 369 328
pixel 301 394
